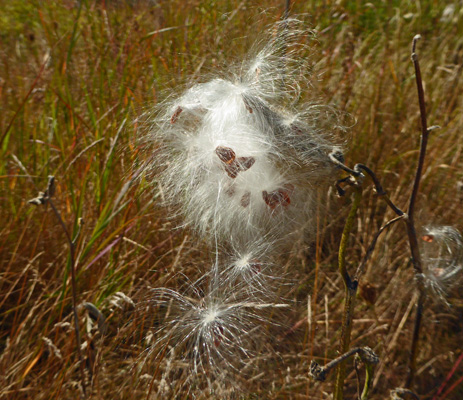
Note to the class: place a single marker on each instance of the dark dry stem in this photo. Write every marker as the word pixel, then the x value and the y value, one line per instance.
pixel 407 217
pixel 357 173
pixel 379 188
pixel 320 373
pixel 336 158
pixel 345 237
pixel 287 7
pixel 411 231
pixel 424 129
pixel 372 246
pixel 43 198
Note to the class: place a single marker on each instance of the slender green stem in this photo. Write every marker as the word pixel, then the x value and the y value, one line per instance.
pixel 369 368
pixel 350 292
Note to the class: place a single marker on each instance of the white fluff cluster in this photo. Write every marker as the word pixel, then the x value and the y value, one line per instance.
pixel 242 164
pixel 442 259
pixel 236 159
pixel 211 333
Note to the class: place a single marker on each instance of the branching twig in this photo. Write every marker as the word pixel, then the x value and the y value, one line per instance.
pixel 351 285
pixel 411 231
pixel 320 373
pixel 407 217
pixel 337 159
pixel 372 246
pixel 44 198
pixel 357 172
pixel 379 188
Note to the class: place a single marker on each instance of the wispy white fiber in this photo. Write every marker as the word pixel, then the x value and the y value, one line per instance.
pixel 442 259
pixel 240 158
pixel 254 265
pixel 211 333
pixel 235 156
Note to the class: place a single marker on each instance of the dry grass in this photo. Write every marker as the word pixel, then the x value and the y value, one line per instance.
pixel 72 83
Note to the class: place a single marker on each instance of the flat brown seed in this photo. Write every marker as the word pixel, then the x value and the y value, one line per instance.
pixel 244 163
pixel 284 198
pixel 225 154
pixel 269 200
pixel 176 114
pixel 232 170
pixel 230 191
pixel 277 197
pixel 246 199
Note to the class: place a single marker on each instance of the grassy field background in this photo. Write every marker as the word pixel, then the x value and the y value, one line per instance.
pixel 76 79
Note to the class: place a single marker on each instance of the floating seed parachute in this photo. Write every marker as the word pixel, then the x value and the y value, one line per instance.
pixel 442 259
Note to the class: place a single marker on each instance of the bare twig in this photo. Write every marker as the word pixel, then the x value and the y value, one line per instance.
pixel 337 159
pixel 411 231
pixel 287 7
pixel 44 198
pixel 357 172
pixel 379 188
pixel 372 246
pixel 424 129
pixel 320 373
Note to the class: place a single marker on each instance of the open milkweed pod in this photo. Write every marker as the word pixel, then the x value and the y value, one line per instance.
pixel 235 156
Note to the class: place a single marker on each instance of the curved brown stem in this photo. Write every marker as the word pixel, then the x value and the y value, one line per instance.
pixel 379 188
pixel 411 231
pixel 43 198
pixel 372 246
